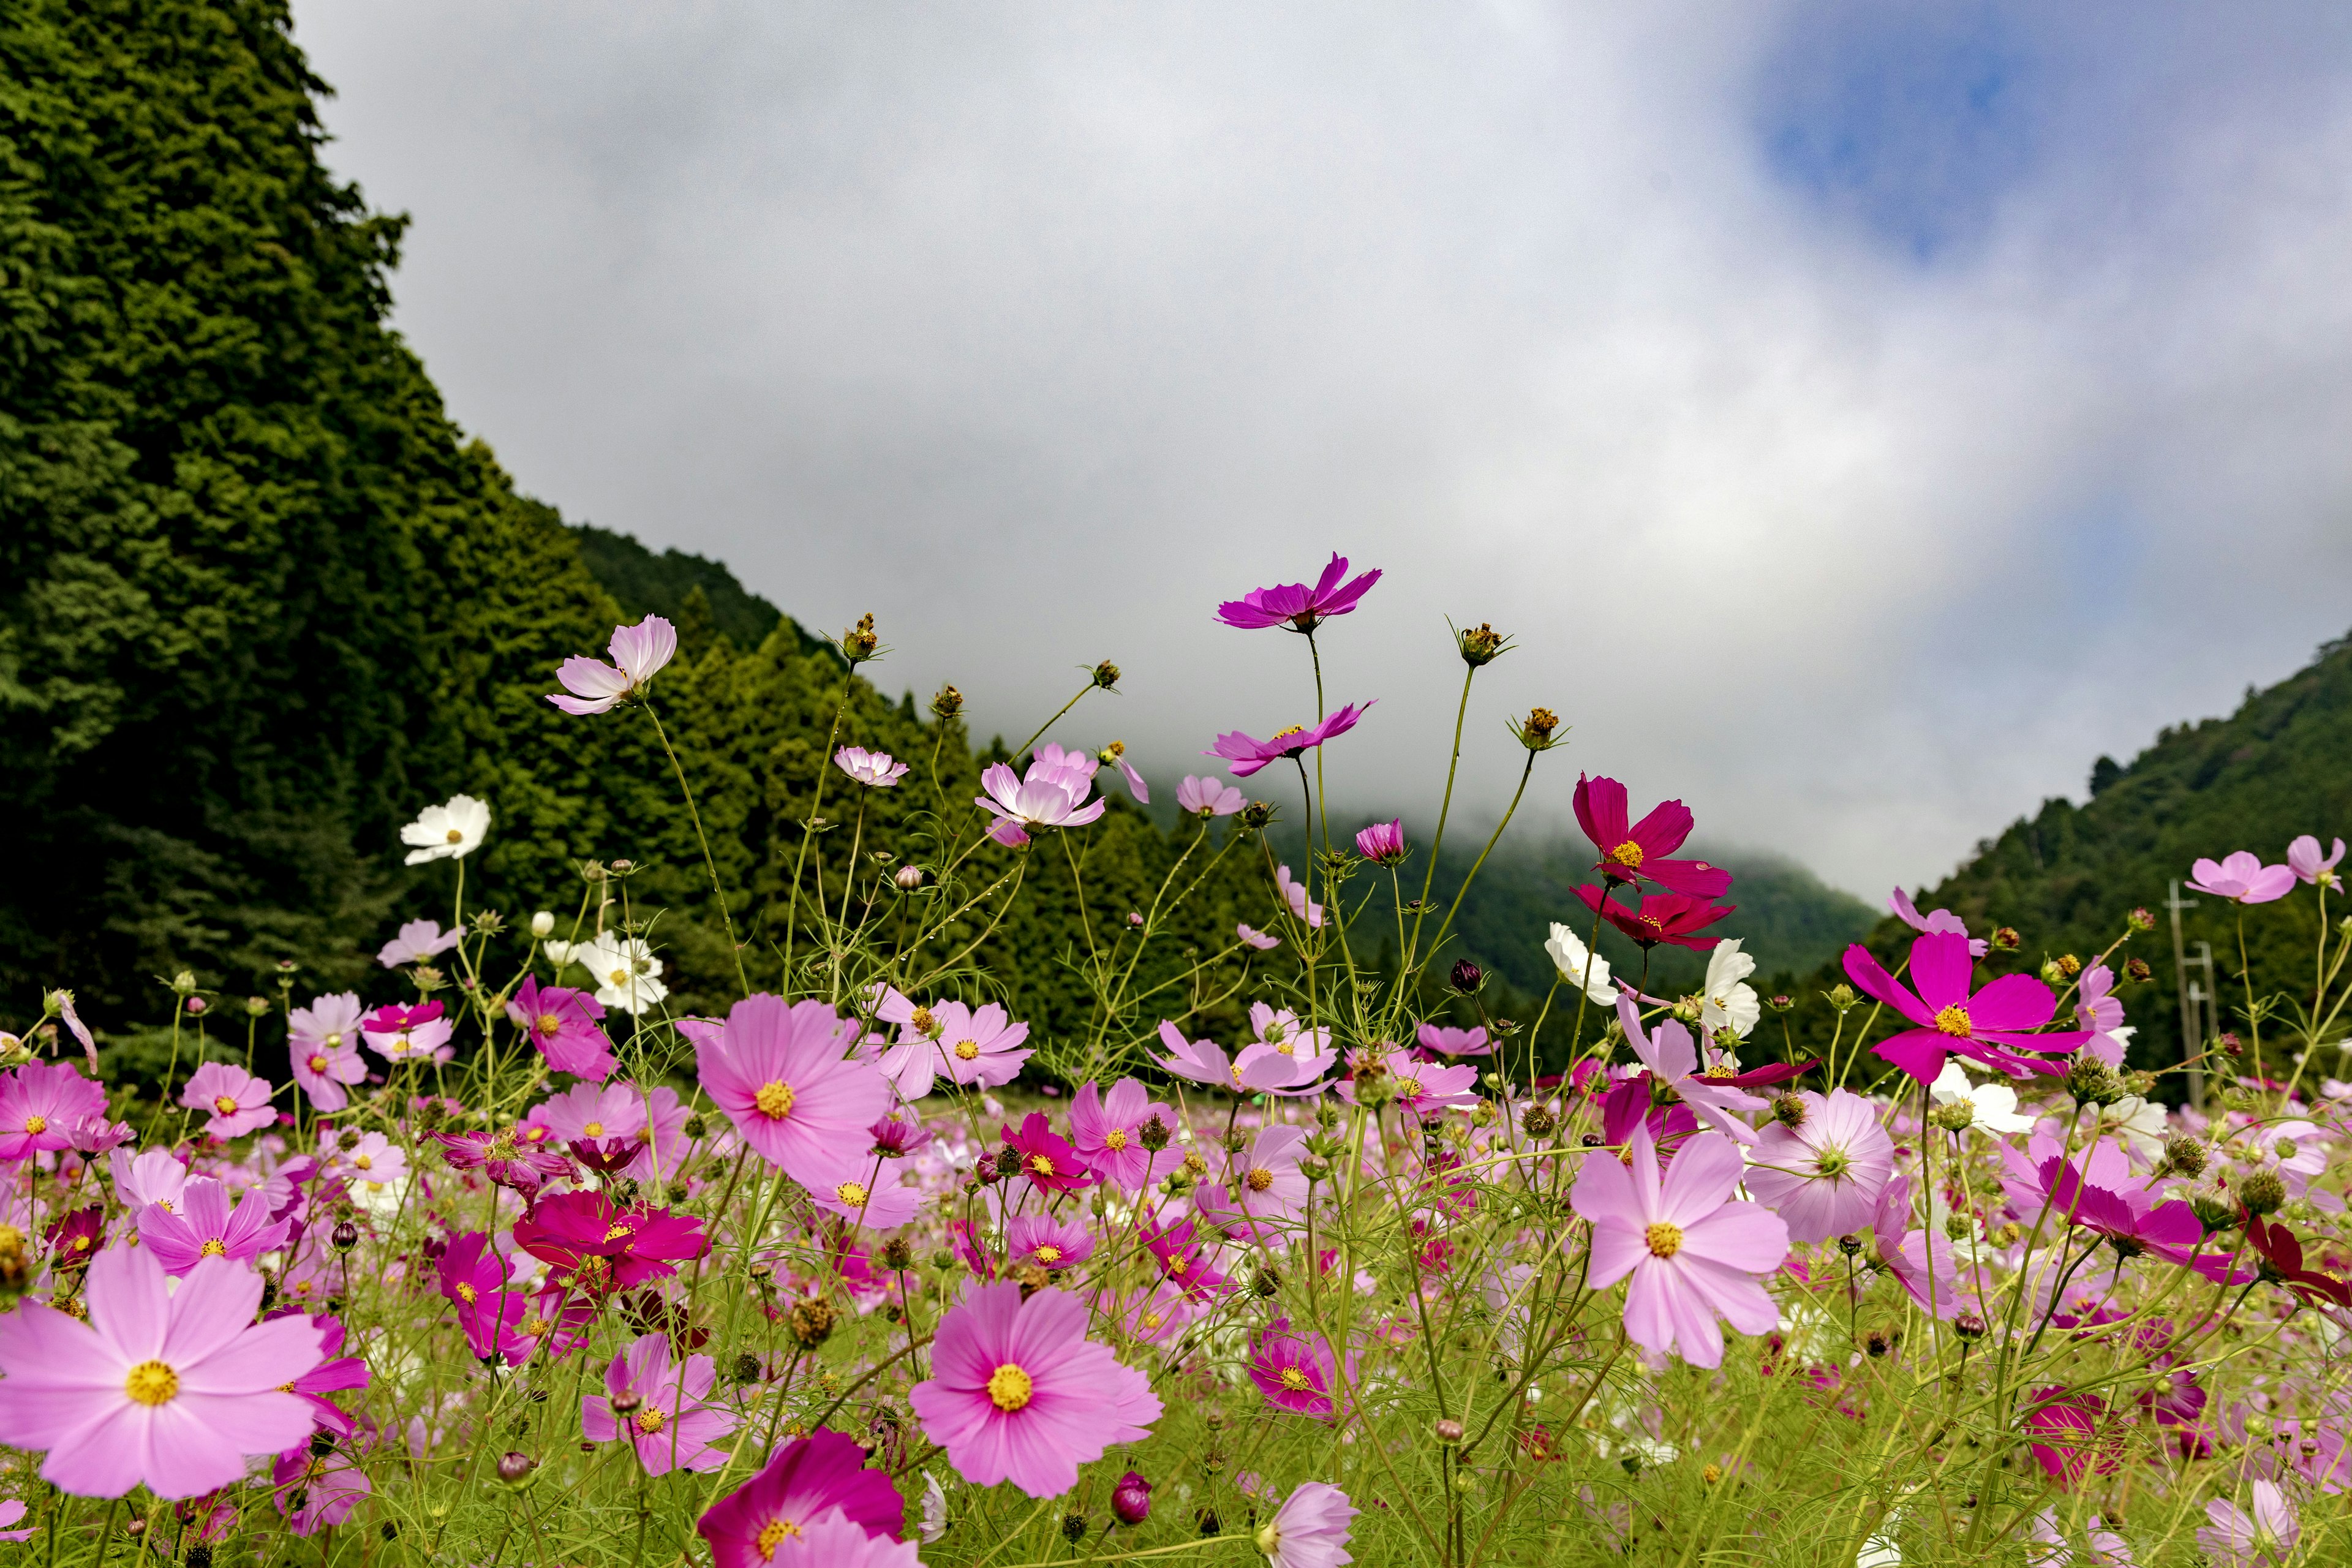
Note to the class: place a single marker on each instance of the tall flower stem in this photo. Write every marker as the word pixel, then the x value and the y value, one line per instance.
pixel 710 862
pixel 1444 809
pixel 808 829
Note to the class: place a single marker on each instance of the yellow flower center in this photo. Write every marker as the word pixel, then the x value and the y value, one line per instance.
pixel 1412 1087
pixel 1049 1253
pixel 468 1294
pixel 151 1382
pixel 533 1327
pixel 619 977
pixel 774 1101
pixel 1628 855
pixel 1041 1164
pixel 773 1536
pixel 1115 1139
pixel 1665 1239
pixel 1152 1319
pixel 226 1104
pixel 318 1064
pixel 364 1162
pixel 212 1248
pixel 36 1124
pixel 966 1050
pixel 1954 1020
pixel 1008 1388
pixel 1294 1380
pixel 594 1130
pixel 1286 735
pixel 649 1420
pixel 1260 1179
pixel 852 1194
pixel 1287 1048
pixel 456 838
pixel 615 1232
pixel 548 1024
pixel 924 1023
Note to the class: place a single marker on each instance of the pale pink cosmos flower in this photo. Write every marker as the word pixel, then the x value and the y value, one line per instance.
pixel 1115 756
pixel 1824 1174
pixel 375 1159
pixel 1672 1057
pixel 1256 939
pixel 1047 1242
pixel 972 1046
pixel 399 1033
pixel 2260 1539
pixel 40 1103
pixel 323 1044
pixel 873 769
pixel 236 1102
pixel 1157 1315
pixel 1295 895
pixel 1261 1188
pixel 1107 1132
pixel 785 1075
pixel 419 942
pixel 874 1196
pixel 1310 1530
pixel 1279 1029
pixel 2097 1009
pixel 1939 920
pixel 2242 879
pixel 638 652
pixel 1202 1061
pixel 156 1176
pixel 1422 1087
pixel 2304 859
pixel 673 1425
pixel 1921 1260
pixel 203 1226
pixel 1382 843
pixel 1208 798
pixel 1451 1042
pixel 1052 796
pixel 587 1111
pixel 1695 1252
pixel 1019 1393
pixel 316 1491
pixel 169 1389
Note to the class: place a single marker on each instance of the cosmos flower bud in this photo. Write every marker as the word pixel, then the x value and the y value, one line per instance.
pixel 514 1467
pixel 1780 1003
pixel 200 1555
pixel 1131 1501
pixel 1467 977
pixel 1850 1245
pixel 346 1235
pixel 2092 1081
pixel 2185 1155
pixel 909 878
pixel 1877 1343
pixel 2213 1208
pixel 2229 1045
pixel 1106 675
pixel 543 924
pixel 627 1402
pixel 184 982
pixel 1842 998
pixel 1537 1122
pixel 1446 1430
pixel 1256 814
pixel 2140 919
pixel 811 1322
pixel 1481 643
pixel 859 643
pixel 1382 843
pixel 1152 1135
pixel 2262 1193
pixel 947 702
pixel 2005 938
pixel 1314 1170
pixel 1970 1327
pixel 1789 1109
pixel 1536 731
pixel 1212 1525
pixel 2136 969
pixel 2052 974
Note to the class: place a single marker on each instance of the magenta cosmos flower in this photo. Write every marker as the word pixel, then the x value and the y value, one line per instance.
pixel 1108 1130
pixel 875 770
pixel 2242 879
pixel 1675 918
pixel 638 653
pixel 785 1075
pixel 1048 1160
pixel 1296 1371
pixel 1019 1393
pixel 1047 1242
pixel 322 1045
pixel 235 1101
pixel 1693 1251
pixel 1247 756
pixel 399 1034
pixel 1310 1530
pixel 1824 1174
pixel 40 1103
pixel 590 1244
pixel 1052 795
pixel 672 1426
pixel 566 1026
pixel 2303 858
pixel 768 1519
pixel 1296 606
pixel 171 1389
pixel 1991 1025
pixel 1205 798
pixel 202 1225
pixel 1639 851
pixel 1382 843
pixel 419 942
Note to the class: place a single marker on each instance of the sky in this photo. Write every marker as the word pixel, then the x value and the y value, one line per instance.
pixel 1861 416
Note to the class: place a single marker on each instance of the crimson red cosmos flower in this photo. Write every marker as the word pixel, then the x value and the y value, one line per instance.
pixel 1247 755
pixel 1990 1026
pixel 1639 851
pixel 2281 1256
pixel 504 1156
pixel 1050 1163
pixel 1661 917
pixel 590 1243
pixel 1300 607
pixel 2071 1434
pixel 75 1239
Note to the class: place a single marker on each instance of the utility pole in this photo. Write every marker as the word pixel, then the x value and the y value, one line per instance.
pixel 2191 1043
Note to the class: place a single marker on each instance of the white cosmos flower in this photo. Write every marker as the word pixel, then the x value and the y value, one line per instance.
pixel 627 975
pixel 2139 1122
pixel 1994 1105
pixel 447 832
pixel 1568 956
pixel 1728 999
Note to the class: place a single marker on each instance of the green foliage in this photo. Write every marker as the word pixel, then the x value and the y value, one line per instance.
pixel 699 596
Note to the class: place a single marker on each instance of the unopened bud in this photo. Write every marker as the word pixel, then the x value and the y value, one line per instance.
pixel 1131 1501
pixel 1850 1245
pixel 1841 998
pixel 898 1252
pixel 2005 938
pixel 628 1402
pixel 2052 974
pixel 695 1127
pixel 1074 1527
pixel 185 982
pixel 1789 1109
pixel 1267 1282
pixel 346 1235
pixel 1970 1327
pixel 2140 919
pixel 515 1468
pixel 2213 1208
pixel 198 1006
pixel 1467 977
pixel 543 924
pixel 1780 1003
pixel 1447 1430
pixel 2092 1081
pixel 909 878
pixel 1106 675
pixel 947 702
pixel 2185 1155
pixel 1257 815
pixel 255 1007
pixel 2136 971
pixel 2262 1193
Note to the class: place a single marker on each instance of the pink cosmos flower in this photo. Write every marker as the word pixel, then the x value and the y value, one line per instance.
pixel 1115 756
pixel 566 1026
pixel 785 1075
pixel 638 653
pixel 1261 1185
pixel 316 1491
pixel 1921 1260
pixel 1382 843
pixel 1208 798
pixel 1256 939
pixel 419 942
pixel 169 1389
pixel 2072 1433
pixel 1296 1371
pixel 869 1198
pixel 323 1045
pixel 1296 606
pixel 1824 1174
pixel 1672 1056
pixel 399 1034
pixel 79 1030
pixel 335 1373
pixel 875 770
pixel 236 1102
pixel 1991 1025
pixel 2242 879
pixel 1018 1393
pixel 1939 920
pixel 1108 1130
pixel 11 1512
pixel 1675 918
pixel 1310 1530
pixel 509 1156
pixel 1183 1263
pixel 673 1425
pixel 767 1522
pixel 2303 858
pixel 974 1046
pixel 1422 1087
pixel 587 1111
pixel 1247 756
pixel 1054 795
pixel 2100 1011
pixel 2260 1539
pixel 1694 1252
pixel 373 1158
pixel 39 1104
pixel 1638 851
pixel 1295 895
pixel 1157 1315
pixel 1047 1242
pixel 206 1227
pixel 1446 1041
pixel 1279 1029
pixel 156 1176
pixel 1202 1061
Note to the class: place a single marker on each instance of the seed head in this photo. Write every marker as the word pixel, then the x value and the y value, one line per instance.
pixel 1537 1122
pixel 1106 675
pixel 1481 645
pixel 811 1322
pixel 2262 1193
pixel 859 643
pixel 1153 1135
pixel 1789 1109
pixel 2135 970
pixel 947 702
